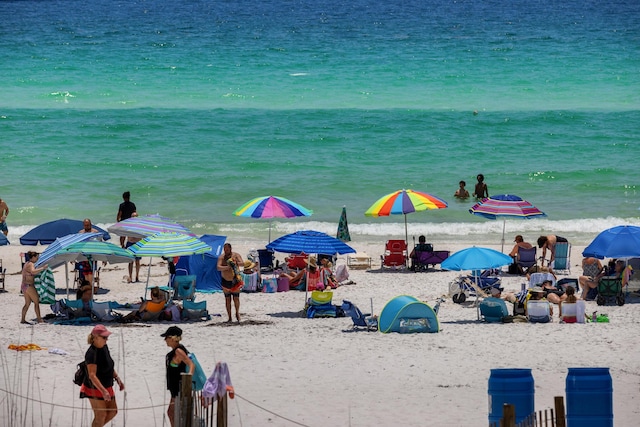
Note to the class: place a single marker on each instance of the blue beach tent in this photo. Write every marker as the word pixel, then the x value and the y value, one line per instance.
pixel 405 314
pixel 204 267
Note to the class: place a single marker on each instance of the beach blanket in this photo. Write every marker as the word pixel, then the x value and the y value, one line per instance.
pixel 46 287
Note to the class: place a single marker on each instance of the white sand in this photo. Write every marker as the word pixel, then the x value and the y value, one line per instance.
pixel 312 371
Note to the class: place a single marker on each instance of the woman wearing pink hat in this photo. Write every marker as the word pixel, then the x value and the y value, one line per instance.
pixel 101 375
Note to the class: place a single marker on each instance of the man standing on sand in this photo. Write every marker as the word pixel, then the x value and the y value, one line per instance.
pixel 228 266
pixel 125 211
pixel 4 212
pixel 130 242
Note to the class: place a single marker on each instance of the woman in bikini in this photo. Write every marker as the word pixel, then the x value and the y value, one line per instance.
pixel 28 288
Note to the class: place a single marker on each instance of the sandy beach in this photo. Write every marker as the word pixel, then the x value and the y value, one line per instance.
pixel 288 370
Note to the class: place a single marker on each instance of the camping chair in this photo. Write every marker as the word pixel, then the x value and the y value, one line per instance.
pixel 297 262
pixel 395 254
pixel 526 258
pixel 360 319
pixel 492 310
pixel 265 260
pixel 562 258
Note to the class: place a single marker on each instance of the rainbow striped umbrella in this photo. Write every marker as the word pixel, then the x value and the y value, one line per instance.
pixel 147 225
pixel 271 207
pixel 506 206
pixel 402 202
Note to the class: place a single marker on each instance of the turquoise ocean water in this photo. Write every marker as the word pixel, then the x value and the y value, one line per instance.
pixel 198 106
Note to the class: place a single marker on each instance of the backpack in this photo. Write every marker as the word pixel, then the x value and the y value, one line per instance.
pixel 81 374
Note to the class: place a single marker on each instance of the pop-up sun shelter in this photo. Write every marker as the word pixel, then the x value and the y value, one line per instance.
pixel 405 314
pixel 204 267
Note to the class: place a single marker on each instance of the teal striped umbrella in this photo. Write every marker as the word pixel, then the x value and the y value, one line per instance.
pixel 169 245
pixel 93 250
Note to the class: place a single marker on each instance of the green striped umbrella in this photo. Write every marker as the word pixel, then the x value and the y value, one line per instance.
pixel 169 245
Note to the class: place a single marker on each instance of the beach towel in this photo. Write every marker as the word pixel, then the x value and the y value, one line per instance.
pixel 219 383
pixel 46 287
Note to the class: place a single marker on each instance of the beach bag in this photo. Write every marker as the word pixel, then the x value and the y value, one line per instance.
pixel 199 377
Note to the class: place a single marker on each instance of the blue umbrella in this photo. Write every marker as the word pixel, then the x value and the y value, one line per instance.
pixel 622 241
pixel 47 233
pixel 310 242
pixel 476 258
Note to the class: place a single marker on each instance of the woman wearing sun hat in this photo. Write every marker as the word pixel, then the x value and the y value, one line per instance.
pixel 177 361
pixel 101 375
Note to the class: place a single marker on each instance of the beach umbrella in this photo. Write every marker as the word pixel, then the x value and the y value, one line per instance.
pixel 91 250
pixel 476 258
pixel 271 207
pixel 505 206
pixel 146 225
pixel 47 233
pixel 622 241
pixel 47 256
pixel 403 202
pixel 343 227
pixel 168 245
pixel 310 242
pixel 3 240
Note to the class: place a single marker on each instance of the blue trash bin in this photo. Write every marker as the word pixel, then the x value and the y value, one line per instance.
pixel 514 387
pixel 589 397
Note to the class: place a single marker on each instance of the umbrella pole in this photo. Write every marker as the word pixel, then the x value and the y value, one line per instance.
pixel 66 275
pixel 269 231
pixel 406 240
pixel 306 289
pixel 504 222
pixel 148 276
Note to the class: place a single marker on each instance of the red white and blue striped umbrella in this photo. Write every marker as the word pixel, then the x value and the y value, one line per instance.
pixel 271 207
pixel 506 206
pixel 147 225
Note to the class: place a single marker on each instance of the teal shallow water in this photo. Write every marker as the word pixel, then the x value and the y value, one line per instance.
pixel 196 107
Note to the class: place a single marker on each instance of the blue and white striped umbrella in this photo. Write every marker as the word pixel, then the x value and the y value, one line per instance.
pixel 169 245
pixel 47 256
pixel 310 242
pixel 143 226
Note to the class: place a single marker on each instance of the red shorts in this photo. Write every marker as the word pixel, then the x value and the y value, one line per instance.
pixel 94 393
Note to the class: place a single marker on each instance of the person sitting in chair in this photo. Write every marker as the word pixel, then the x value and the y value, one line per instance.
pixel 150 309
pixel 296 280
pixel 422 246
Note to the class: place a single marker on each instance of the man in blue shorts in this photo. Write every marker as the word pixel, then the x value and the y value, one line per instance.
pixel 4 212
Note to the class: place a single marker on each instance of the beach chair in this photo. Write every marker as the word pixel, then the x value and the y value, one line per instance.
pixel 562 262
pixel 526 258
pixel 266 259
pixel 538 311
pixel 102 312
pixel 360 319
pixel 184 287
pixel 536 279
pixel 395 254
pixel 192 310
pixel 425 258
pixel 492 310
pixel 297 262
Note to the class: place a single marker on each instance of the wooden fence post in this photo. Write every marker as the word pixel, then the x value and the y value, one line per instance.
pixel 508 415
pixel 184 415
pixel 221 420
pixel 560 415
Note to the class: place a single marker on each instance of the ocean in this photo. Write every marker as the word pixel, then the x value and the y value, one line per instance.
pixel 196 107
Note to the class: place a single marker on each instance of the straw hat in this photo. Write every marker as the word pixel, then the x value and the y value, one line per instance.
pixel 311 261
pixel 248 265
pixel 536 289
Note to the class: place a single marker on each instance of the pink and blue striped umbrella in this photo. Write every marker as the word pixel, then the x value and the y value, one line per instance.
pixel 147 225
pixel 506 206
pixel 271 207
